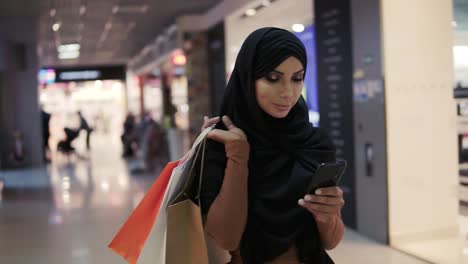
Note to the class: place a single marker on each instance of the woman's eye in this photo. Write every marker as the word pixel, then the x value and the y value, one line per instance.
pixel 272 78
pixel 298 79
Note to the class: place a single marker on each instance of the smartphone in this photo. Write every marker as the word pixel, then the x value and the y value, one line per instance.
pixel 327 175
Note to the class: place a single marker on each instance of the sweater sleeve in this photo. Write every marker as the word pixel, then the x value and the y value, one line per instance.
pixel 227 216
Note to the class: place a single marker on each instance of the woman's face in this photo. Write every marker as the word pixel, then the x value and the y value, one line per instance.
pixel 279 90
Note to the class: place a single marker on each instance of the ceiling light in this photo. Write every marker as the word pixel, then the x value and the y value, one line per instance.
pixel 130 9
pixel 66 197
pixel 69 55
pixel 66 185
pixel 69 47
pixel 298 28
pixel 250 12
pixel 52 12
pixel 105 186
pixel 179 59
pixel 172 29
pixel 56 27
pixel 160 39
pixel 82 10
pixel 266 2
pixel 108 25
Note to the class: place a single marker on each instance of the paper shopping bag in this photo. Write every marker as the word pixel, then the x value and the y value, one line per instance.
pixel 154 251
pixel 185 238
pixel 132 236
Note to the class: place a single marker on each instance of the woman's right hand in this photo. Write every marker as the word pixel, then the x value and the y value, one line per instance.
pixel 232 134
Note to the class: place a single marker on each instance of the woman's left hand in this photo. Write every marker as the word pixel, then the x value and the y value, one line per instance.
pixel 325 204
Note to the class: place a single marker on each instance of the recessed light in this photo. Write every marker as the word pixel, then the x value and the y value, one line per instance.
pixel 130 9
pixel 298 28
pixel 69 47
pixel 69 55
pixel 108 25
pixel 56 27
pixel 250 12
pixel 82 10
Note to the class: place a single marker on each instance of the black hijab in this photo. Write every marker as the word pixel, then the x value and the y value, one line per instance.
pixel 283 158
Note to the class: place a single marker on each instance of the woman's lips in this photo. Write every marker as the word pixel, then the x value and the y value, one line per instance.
pixel 282 107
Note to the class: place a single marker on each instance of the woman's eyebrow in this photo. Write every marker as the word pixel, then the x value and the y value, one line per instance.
pixel 282 73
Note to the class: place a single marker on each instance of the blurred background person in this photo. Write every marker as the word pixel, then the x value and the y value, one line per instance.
pixel 128 137
pixel 85 126
pixel 45 134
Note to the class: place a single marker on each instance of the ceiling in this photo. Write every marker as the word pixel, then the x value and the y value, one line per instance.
pixel 280 14
pixel 129 27
pixel 108 31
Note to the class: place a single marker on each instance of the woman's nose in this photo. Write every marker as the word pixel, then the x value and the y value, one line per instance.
pixel 286 91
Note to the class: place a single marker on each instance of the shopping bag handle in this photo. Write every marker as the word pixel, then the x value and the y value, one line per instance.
pixel 201 173
pixel 186 192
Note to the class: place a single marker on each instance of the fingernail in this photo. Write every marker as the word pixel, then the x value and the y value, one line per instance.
pixel 318 192
pixel 301 202
pixel 308 198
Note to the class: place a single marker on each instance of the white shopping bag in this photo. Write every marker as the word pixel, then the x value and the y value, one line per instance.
pixel 154 251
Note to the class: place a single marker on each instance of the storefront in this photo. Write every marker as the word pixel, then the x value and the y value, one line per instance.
pixel 97 92
pixel 160 88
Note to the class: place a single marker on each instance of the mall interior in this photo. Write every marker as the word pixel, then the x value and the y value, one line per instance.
pixel 97 96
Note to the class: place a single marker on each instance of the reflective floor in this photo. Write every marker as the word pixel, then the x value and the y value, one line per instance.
pixel 446 248
pixel 89 198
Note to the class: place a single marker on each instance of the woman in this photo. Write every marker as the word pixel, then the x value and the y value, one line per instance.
pixel 261 157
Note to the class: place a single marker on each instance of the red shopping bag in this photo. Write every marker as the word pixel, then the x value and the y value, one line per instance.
pixel 132 236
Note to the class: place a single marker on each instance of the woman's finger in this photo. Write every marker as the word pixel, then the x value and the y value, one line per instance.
pixel 321 208
pixel 213 120
pixel 207 122
pixel 330 191
pixel 221 136
pixel 318 207
pixel 322 217
pixel 228 123
pixel 327 200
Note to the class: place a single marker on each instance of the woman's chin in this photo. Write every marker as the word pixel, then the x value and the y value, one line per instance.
pixel 279 114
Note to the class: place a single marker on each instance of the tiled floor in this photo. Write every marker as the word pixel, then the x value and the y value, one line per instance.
pixel 75 220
